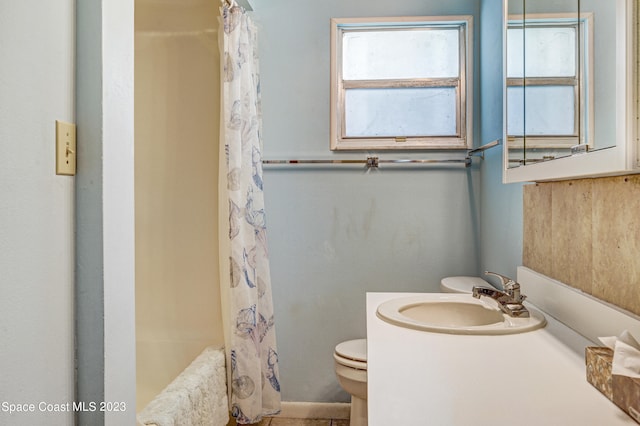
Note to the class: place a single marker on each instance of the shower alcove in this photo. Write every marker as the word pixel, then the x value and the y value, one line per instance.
pixel 176 178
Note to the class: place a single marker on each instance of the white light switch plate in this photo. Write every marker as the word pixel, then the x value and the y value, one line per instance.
pixel 65 148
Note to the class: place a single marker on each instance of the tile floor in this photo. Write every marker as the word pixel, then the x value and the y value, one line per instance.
pixel 282 421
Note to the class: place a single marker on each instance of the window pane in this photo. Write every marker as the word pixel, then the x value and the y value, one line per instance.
pixel 400 112
pixel 550 110
pixel 550 52
pixel 397 54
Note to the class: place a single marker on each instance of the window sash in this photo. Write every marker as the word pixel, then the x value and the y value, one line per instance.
pixel 403 84
pixel 403 73
pixel 557 141
pixel 340 140
pixel 551 81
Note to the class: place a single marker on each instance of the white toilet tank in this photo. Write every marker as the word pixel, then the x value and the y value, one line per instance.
pixel 461 284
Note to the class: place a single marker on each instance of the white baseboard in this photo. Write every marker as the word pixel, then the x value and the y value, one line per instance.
pixel 315 410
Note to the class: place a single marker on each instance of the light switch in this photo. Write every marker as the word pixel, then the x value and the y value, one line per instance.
pixel 65 148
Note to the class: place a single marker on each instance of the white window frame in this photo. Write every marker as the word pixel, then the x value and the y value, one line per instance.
pixel 463 84
pixel 582 83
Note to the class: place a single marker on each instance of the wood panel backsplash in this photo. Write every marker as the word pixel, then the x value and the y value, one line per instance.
pixel 586 234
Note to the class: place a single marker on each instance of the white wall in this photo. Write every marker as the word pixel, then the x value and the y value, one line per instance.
pixel 105 292
pixel 36 211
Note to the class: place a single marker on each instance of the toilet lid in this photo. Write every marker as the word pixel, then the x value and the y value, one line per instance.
pixel 353 349
pixel 462 284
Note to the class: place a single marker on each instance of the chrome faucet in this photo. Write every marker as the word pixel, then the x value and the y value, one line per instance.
pixel 510 300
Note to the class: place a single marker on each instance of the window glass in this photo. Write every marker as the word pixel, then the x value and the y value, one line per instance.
pixel 397 54
pixel 401 112
pixel 550 111
pixel 550 52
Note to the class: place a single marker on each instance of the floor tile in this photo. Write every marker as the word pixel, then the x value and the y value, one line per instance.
pixel 281 421
pixel 284 421
pixel 264 422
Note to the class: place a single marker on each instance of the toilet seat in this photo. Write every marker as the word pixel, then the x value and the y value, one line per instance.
pixel 357 365
pixel 462 284
pixel 352 353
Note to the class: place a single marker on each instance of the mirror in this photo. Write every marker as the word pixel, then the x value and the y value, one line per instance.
pixel 568 81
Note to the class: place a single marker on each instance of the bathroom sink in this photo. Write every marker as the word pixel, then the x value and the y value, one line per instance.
pixel 456 314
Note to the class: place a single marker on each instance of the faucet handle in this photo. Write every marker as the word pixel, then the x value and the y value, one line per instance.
pixel 507 282
pixel 511 287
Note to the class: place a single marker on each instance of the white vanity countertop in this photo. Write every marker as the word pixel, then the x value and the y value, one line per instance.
pixel 534 378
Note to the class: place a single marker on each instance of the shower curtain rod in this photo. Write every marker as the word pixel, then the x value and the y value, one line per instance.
pixel 374 162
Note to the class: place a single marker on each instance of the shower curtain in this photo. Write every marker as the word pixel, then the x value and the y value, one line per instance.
pixel 252 356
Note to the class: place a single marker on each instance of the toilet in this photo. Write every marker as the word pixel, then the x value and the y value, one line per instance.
pixel 462 284
pixel 351 356
pixel 351 369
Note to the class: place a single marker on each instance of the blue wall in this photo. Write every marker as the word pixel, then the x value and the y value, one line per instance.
pixel 501 205
pixel 337 233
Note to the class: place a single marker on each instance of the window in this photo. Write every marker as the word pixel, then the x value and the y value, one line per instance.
pixel 401 83
pixel 548 81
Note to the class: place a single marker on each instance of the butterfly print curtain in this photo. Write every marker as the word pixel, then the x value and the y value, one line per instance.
pixel 254 386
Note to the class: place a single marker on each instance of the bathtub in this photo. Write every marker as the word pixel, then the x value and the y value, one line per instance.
pixel 197 396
